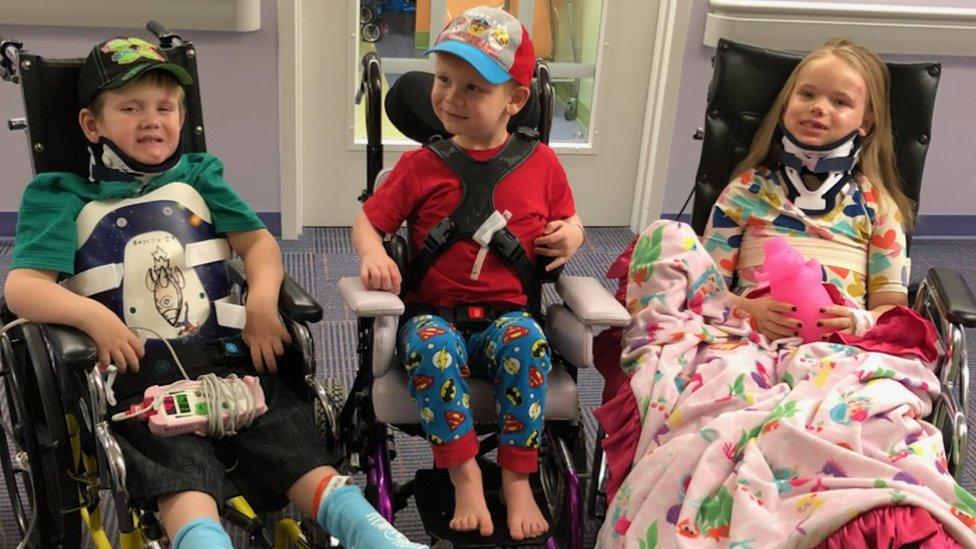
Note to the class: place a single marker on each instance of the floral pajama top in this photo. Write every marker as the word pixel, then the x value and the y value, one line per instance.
pixel 860 243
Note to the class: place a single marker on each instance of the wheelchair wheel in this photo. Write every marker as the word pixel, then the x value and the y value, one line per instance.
pixel 44 464
pixel 16 477
pixel 327 415
pixel 561 465
pixel 366 15
pixel 371 32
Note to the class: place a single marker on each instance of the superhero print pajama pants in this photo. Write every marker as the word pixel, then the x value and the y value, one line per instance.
pixel 511 352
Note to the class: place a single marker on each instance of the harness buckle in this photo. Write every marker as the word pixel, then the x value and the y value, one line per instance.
pixel 507 245
pixel 438 235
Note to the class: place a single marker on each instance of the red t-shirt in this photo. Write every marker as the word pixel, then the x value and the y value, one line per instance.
pixel 422 190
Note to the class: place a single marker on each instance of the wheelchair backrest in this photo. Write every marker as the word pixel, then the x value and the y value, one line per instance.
pixel 50 89
pixel 745 83
pixel 410 111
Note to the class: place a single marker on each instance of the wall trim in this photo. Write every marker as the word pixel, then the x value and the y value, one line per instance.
pixel 803 25
pixel 209 15
pixel 289 116
pixel 670 36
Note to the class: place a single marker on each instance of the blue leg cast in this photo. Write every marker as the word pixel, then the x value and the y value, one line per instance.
pixel 202 533
pixel 346 514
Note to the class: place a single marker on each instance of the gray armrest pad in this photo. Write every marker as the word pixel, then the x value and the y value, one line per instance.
pixel 368 303
pixel 591 302
pixel 569 337
pixel 956 297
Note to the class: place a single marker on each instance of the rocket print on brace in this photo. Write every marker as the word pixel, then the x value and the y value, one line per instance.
pixel 166 283
pixel 159 291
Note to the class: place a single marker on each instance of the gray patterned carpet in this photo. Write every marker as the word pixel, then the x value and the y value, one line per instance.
pixel 323 255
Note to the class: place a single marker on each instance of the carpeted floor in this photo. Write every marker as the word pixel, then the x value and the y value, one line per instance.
pixel 323 255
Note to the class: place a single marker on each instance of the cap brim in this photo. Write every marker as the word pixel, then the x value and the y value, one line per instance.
pixel 487 67
pixel 179 72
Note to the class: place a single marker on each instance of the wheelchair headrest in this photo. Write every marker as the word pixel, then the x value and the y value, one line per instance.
pixel 409 109
pixel 745 83
pixel 50 88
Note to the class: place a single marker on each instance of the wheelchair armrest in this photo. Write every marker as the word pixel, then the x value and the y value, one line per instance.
pixel 569 336
pixel 293 300
pixel 70 346
pixel 368 303
pixel 591 302
pixel 955 297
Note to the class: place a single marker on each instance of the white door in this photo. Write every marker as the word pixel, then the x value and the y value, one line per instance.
pixel 616 64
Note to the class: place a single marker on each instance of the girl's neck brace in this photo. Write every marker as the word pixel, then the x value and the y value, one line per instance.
pixel 107 162
pixel 832 164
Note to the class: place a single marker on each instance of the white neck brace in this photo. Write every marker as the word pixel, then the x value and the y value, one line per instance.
pixel 836 160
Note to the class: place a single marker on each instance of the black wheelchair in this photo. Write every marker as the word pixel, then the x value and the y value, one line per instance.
pixel 379 398
pixel 58 452
pixel 744 84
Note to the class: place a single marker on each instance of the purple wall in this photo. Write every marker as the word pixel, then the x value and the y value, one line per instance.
pixel 239 83
pixel 946 189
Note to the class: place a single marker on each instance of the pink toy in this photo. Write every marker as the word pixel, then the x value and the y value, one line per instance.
pixel 793 281
pixel 182 407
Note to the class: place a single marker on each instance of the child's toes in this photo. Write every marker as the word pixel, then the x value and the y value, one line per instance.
pixel 487 528
pixel 516 531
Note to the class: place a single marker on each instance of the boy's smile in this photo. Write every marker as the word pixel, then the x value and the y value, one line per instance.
pixel 829 101
pixel 470 107
pixel 142 119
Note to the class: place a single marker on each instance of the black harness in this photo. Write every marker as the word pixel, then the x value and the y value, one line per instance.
pixel 478 180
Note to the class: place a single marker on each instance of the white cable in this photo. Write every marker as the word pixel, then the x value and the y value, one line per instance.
pixel 220 394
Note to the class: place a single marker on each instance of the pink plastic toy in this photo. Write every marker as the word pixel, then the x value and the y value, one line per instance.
pixel 183 407
pixel 792 280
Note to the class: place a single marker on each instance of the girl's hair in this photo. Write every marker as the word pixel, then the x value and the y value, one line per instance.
pixel 158 78
pixel 877 158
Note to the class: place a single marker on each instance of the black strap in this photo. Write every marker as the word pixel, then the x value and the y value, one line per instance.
pixel 478 180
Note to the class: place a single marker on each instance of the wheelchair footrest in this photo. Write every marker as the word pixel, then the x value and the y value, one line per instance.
pixel 435 503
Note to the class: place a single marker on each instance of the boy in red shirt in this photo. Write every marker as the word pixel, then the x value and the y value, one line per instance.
pixel 484 65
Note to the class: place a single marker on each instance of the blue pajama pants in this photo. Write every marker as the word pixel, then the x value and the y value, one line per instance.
pixel 512 352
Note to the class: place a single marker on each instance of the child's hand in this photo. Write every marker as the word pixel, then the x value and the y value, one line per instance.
pixel 380 272
pixel 264 334
pixel 845 319
pixel 768 317
pixel 559 240
pixel 115 342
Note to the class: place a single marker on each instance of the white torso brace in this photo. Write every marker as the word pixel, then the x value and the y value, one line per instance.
pixel 156 261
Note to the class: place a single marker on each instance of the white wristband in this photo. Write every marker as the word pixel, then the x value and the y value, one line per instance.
pixel 863 321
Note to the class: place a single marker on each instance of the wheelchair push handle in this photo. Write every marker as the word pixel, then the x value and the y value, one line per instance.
pixel 167 39
pixel 9 53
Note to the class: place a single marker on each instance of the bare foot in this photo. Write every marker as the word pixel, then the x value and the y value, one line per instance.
pixel 525 520
pixel 470 510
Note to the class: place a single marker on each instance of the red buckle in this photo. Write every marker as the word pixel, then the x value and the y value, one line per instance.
pixel 476 313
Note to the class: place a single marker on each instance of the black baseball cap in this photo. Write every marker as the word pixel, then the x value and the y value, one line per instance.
pixel 115 62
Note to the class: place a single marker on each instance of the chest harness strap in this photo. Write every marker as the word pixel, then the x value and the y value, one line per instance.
pixel 475 215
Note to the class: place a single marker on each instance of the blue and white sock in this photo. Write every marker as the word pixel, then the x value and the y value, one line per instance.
pixel 345 513
pixel 202 533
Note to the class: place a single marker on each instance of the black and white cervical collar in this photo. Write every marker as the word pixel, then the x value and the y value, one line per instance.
pixel 107 162
pixel 832 164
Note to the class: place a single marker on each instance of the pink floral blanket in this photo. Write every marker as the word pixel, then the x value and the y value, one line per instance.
pixel 745 443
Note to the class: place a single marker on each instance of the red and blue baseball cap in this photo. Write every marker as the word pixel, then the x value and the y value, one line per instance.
pixel 492 41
